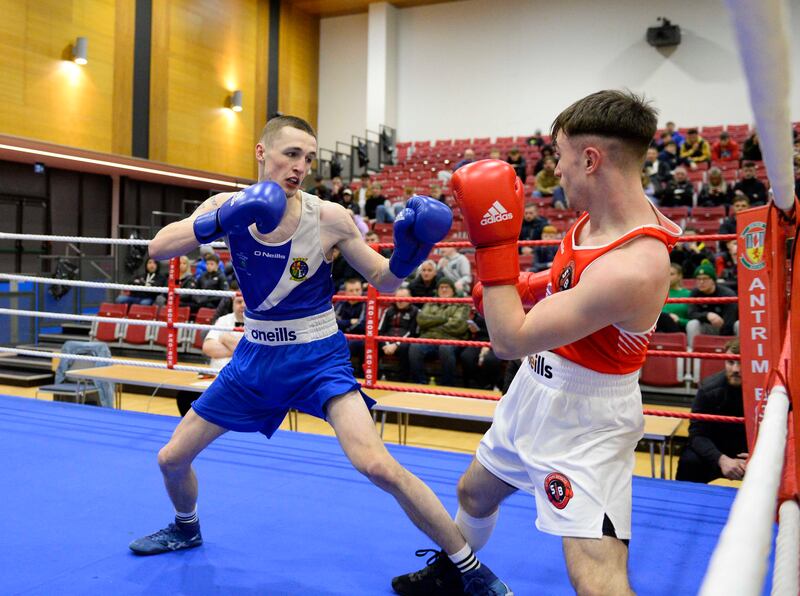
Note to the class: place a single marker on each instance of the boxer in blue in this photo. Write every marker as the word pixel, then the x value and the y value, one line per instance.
pixel 293 355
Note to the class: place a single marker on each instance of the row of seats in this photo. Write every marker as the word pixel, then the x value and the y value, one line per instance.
pixel 663 372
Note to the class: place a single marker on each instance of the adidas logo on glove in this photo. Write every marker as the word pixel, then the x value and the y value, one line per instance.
pixel 495 214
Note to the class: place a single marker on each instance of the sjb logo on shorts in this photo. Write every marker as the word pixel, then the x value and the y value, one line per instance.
pixel 558 489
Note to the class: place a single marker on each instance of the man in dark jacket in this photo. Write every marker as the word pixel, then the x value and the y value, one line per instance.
pixel 350 317
pixel 717 449
pixel 212 279
pixel 425 282
pixel 399 320
pixel 711 319
pixel 750 185
pixel 532 224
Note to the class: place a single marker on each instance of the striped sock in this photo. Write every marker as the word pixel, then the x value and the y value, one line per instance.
pixel 186 519
pixel 465 559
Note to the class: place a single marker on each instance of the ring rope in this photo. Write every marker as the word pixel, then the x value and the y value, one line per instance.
pixel 786 576
pixel 117 320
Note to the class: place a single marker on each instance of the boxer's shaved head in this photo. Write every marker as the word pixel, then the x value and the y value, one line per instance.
pixel 625 121
pixel 276 124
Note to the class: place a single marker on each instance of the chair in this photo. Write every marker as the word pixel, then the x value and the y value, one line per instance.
pixel 659 371
pixel 108 332
pixel 64 387
pixel 716 213
pixel 181 316
pixel 676 214
pixel 195 338
pixel 703 367
pixel 137 335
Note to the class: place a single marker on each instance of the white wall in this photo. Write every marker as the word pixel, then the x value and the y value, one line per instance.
pixel 342 79
pixel 505 67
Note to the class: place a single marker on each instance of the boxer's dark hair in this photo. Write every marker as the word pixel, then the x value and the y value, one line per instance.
pixel 614 114
pixel 274 126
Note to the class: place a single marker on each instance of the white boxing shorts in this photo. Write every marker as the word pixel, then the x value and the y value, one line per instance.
pixel 567 435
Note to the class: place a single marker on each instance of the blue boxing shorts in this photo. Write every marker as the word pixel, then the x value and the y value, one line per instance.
pixel 280 365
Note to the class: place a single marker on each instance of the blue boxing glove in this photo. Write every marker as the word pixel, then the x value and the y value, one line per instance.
pixel 262 204
pixel 423 223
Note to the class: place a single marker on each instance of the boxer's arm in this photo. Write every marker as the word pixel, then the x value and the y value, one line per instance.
pixel 626 289
pixel 177 238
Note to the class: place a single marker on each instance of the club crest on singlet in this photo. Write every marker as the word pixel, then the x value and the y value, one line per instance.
pixel 558 489
pixel 298 270
pixel 565 279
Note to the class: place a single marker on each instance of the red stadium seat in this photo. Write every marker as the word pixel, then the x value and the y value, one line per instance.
pixel 182 316
pixel 716 213
pixel 108 332
pixel 138 335
pixel 196 337
pixel 702 367
pixel 703 226
pixel 659 371
pixel 677 214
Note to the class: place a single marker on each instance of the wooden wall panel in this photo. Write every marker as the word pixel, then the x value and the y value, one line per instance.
pixel 298 68
pixel 203 51
pixel 45 97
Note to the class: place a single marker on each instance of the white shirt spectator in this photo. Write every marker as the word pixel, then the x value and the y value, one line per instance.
pixel 228 322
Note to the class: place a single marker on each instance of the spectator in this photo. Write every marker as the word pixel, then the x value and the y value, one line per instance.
pixel 543 255
pixel 387 212
pixel 225 305
pixel 536 140
pixel 755 190
pixel 399 320
pixel 363 194
pixel 375 197
pixel 218 346
pixel 546 180
pixel 717 449
pixel 425 282
pixel 469 157
pixel 674 316
pixel 372 237
pixel 740 203
pixel 480 366
pixel 675 135
pixel 532 225
pixel 516 159
pixel 657 169
pixel 212 279
pixel 436 193
pixel 751 151
pixel 494 153
pixel 711 319
pixel 715 191
pixel 439 321
pixel 669 155
pixel 649 188
pixel 547 151
pixel 348 202
pixel 725 264
pixel 696 149
pixel 689 255
pixel 337 190
pixel 725 149
pixel 186 282
pixel 341 270
pixel 319 188
pixel 151 277
pixel 679 191
pixel 350 317
pixel 456 267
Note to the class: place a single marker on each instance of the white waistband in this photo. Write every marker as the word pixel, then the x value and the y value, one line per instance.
pixel 291 332
pixel 557 372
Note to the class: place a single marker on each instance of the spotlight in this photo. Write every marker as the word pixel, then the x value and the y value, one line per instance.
pixel 236 101
pixel 80 51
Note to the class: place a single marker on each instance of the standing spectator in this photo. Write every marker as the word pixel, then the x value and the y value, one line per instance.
pixel 696 149
pixel 674 134
pixel 755 190
pixel 674 316
pixel 212 279
pixel 717 449
pixel 532 226
pixel 679 191
pixel 399 320
pixel 751 151
pixel 439 321
pixel 711 319
pixel 469 157
pixel 715 191
pixel 725 149
pixel 546 180
pixel 456 267
pixel 320 189
pixel 543 255
pixel 480 366
pixel 151 277
pixel 516 159
pixel 425 282
pixel 740 203
pixel 186 282
pixel 350 317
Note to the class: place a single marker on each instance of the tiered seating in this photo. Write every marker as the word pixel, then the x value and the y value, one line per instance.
pixel 139 335
pixel 195 337
pixel 108 332
pixel 665 372
pixel 703 367
pixel 182 316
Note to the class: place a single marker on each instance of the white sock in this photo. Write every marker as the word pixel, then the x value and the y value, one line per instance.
pixel 476 530
pixel 187 518
pixel 465 559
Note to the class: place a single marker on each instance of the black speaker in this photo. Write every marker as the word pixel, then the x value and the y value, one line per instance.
pixel 664 35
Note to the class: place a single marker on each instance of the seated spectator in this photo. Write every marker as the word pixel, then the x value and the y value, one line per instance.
pixel 425 281
pixel 212 279
pixel 532 225
pixel 320 189
pixel 658 170
pixel 439 321
pixel 375 197
pixel 456 267
pixel 755 190
pixel 669 155
pixel 679 191
pixel 751 151
pixel 740 203
pixel 350 317
pixel 674 316
pixel 537 140
pixel 725 149
pixel 711 319
pixel 675 134
pixel 372 237
pixel 546 180
pixel 218 346
pixel 225 305
pixel 715 191
pixel 547 151
pixel 516 159
pixel 543 255
pixel 399 320
pixel 348 202
pixel 717 449
pixel 337 190
pixel 689 255
pixel 494 153
pixel 436 193
pixel 151 277
pixel 469 157
pixel 649 188
pixel 725 264
pixel 387 211
pixel 341 270
pixel 186 282
pixel 480 366
pixel 696 149
pixel 200 263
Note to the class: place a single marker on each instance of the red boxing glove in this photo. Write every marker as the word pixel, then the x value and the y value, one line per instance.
pixel 531 287
pixel 492 200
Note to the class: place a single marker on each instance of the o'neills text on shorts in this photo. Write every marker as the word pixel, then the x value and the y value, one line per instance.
pixel 540 367
pixel 293 331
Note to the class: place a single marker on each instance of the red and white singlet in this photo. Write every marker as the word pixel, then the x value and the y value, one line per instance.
pixel 610 350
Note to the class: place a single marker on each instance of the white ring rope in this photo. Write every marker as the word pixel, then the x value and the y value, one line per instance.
pixel 113 286
pixel 117 320
pixel 739 562
pixel 786 576
pixel 140 363
pixel 87 240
